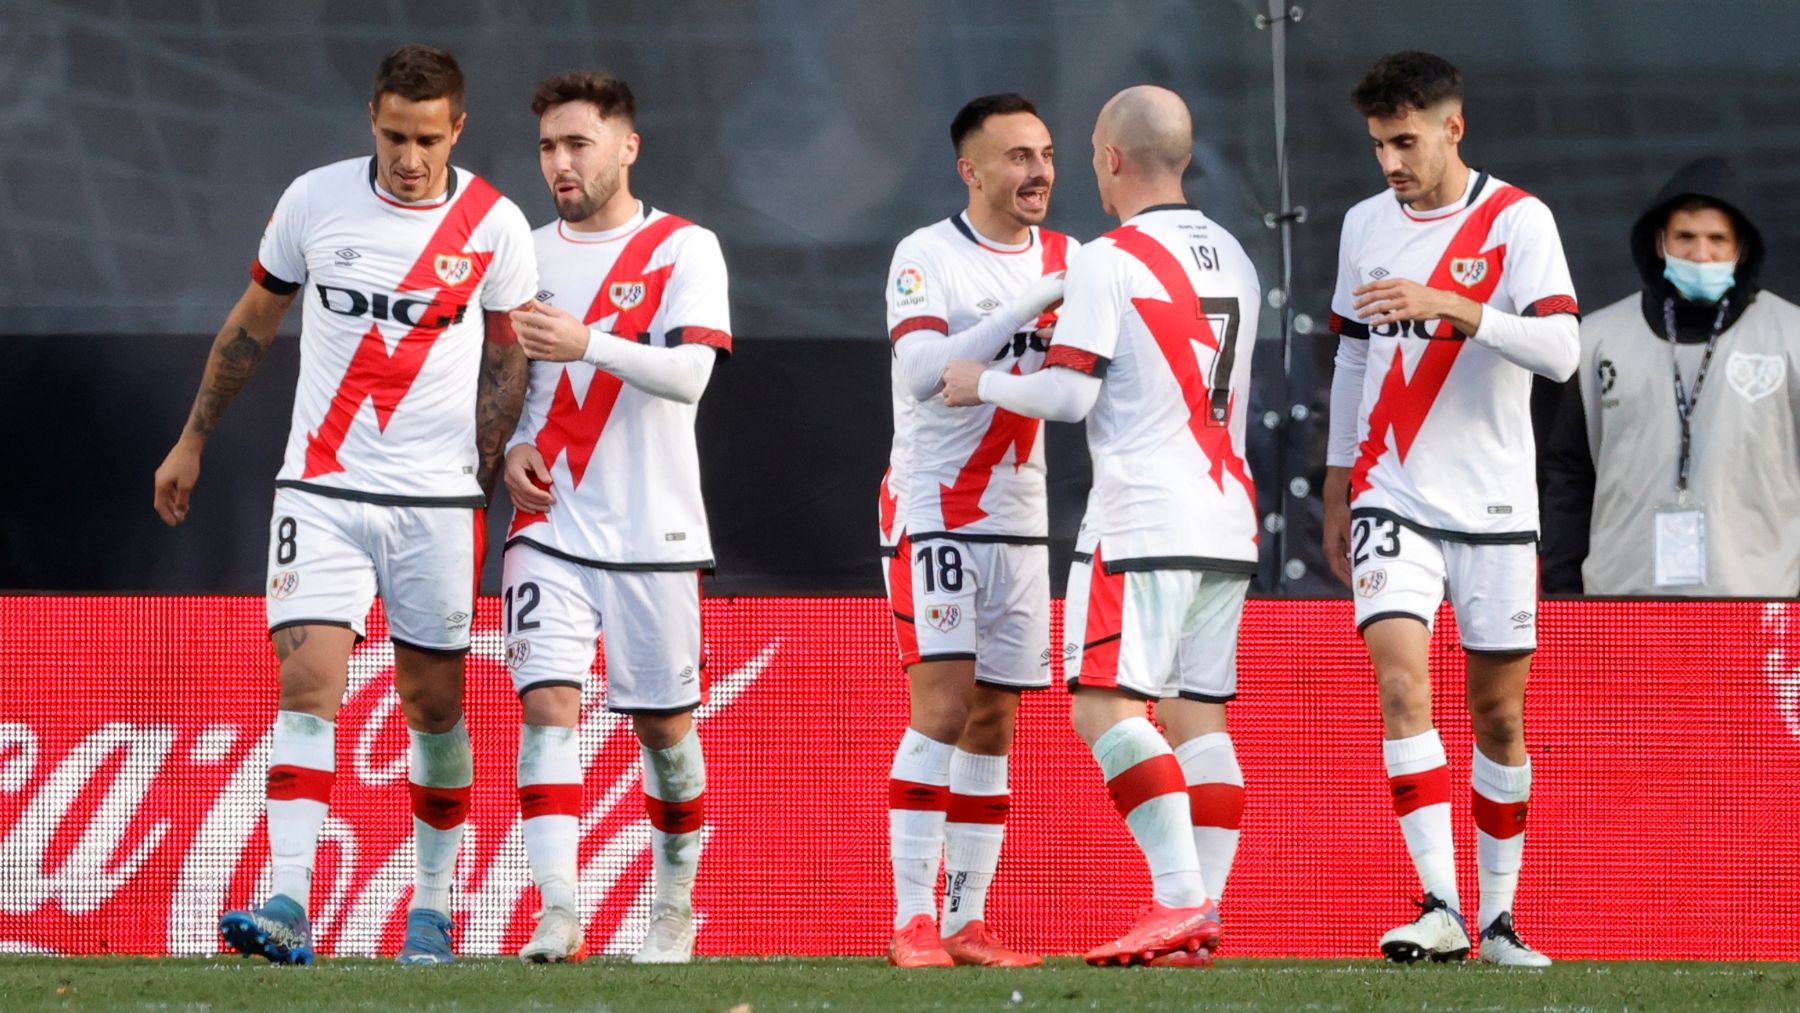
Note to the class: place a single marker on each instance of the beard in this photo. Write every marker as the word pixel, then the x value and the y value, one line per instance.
pixel 592 198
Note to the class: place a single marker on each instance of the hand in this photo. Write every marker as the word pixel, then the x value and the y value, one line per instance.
pixel 528 479
pixel 1336 536
pixel 1392 300
pixel 962 384
pixel 549 334
pixel 175 479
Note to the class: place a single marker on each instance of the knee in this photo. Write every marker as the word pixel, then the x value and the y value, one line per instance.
pixel 431 704
pixel 551 706
pixel 661 731
pixel 1497 719
pixel 1405 692
pixel 310 690
pixel 942 719
pixel 989 727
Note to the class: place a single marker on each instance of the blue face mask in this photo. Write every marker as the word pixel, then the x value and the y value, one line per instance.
pixel 1698 282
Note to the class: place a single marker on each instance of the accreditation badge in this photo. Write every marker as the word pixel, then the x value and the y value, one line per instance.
pixel 1680 546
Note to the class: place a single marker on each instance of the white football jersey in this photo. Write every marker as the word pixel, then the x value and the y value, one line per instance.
pixel 1444 428
pixel 392 331
pixel 1164 311
pixel 968 472
pixel 624 467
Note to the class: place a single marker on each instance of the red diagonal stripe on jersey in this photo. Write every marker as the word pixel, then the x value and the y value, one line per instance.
pixel 1175 324
pixel 890 505
pixel 383 377
pixel 1403 403
pixel 573 425
pixel 961 500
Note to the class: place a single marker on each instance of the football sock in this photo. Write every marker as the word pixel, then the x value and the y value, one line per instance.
pixel 918 795
pixel 1145 782
pixel 550 809
pixel 974 827
pixel 302 763
pixel 1419 777
pixel 1216 799
pixel 675 799
pixel 442 768
pixel 1500 796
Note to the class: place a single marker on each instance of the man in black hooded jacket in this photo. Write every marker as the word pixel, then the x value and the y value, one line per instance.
pixel 1673 467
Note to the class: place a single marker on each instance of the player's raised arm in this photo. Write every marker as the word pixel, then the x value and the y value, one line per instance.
pixel 236 352
pixel 499 394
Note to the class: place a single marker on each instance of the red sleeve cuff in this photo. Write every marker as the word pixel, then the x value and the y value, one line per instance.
pixel 1077 360
pixel 911 324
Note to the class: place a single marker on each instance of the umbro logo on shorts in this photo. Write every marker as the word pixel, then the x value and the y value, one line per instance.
pixel 1522 620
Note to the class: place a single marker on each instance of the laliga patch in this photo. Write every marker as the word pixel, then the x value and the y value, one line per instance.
pixel 1370 584
pixel 909 287
pixel 625 294
pixel 516 653
pixel 1754 376
pixel 1468 271
pixel 944 618
pixel 283 584
pixel 453 268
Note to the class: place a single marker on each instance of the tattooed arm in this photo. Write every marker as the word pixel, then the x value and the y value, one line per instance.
pixel 499 397
pixel 236 352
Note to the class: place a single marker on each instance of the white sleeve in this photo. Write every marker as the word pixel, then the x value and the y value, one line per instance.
pixel 1549 346
pixel 1060 395
pixel 1351 364
pixel 1096 295
pixel 512 274
pixel 697 305
pixel 280 264
pixel 678 373
pixel 1344 320
pixel 924 353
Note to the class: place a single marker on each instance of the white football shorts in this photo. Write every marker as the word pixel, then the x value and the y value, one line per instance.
pixel 555 608
pixel 1397 570
pixel 1153 633
pixel 328 557
pixel 986 602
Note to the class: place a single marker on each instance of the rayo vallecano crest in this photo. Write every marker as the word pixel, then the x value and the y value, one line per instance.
pixel 625 294
pixel 453 268
pixel 1468 271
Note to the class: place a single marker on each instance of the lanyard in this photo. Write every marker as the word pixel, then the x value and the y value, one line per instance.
pixel 1684 402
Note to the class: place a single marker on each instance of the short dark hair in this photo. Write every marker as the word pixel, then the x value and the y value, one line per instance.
pixel 420 73
pixel 970 117
pixel 1410 80
pixel 608 94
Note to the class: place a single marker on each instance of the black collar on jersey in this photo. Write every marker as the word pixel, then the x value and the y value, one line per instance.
pixel 1183 206
pixel 1481 182
pixel 448 193
pixel 963 227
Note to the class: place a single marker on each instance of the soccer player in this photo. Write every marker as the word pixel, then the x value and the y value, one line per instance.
pixel 1149 350
pixel 413 265
pixel 1451 292
pixel 609 530
pixel 967 538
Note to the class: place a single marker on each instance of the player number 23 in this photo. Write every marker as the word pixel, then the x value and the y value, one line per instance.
pixel 1387 548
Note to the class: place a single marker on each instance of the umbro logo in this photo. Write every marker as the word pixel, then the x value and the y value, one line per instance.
pixel 1379 273
pixel 988 305
pixel 347 254
pixel 1521 620
pixel 545 295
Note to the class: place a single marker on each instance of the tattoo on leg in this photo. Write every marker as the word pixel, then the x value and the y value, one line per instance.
pixel 288 640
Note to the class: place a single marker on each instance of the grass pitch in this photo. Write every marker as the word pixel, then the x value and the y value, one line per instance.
pixel 863 984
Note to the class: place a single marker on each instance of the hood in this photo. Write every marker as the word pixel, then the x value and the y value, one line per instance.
pixel 1713 179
